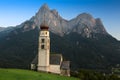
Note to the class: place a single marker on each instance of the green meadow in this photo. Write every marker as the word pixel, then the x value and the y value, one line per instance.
pixel 18 74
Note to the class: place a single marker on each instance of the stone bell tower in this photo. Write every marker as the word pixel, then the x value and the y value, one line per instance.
pixel 44 48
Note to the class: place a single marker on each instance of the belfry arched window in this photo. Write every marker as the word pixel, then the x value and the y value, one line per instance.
pixel 43 40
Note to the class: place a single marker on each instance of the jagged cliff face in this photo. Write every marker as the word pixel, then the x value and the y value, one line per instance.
pixel 83 24
pixel 52 18
pixel 86 25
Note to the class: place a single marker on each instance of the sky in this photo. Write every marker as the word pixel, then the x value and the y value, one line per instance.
pixel 14 12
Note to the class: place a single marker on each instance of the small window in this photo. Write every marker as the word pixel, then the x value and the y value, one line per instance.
pixel 42 46
pixel 43 40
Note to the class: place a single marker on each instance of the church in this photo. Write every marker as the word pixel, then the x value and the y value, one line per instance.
pixel 46 62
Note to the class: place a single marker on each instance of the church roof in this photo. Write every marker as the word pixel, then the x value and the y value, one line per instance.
pixel 56 59
pixel 65 65
pixel 35 60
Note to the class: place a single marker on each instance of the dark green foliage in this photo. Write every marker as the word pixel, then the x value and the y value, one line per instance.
pixel 84 74
pixel 92 53
pixel 19 48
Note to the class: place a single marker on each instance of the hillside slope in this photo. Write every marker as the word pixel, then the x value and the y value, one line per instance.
pixel 101 52
pixel 17 74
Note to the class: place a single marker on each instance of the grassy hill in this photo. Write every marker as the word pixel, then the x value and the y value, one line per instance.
pixel 17 74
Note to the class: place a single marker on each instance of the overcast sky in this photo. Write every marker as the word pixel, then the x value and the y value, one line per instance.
pixel 14 12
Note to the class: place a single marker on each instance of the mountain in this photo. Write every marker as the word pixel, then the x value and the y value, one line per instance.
pixel 82 40
pixel 83 24
pixel 1 29
pixel 5 31
pixel 56 23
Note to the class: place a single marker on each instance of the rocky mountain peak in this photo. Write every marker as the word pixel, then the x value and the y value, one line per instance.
pixel 44 7
pixel 54 11
pixel 41 14
pixel 98 20
pixel 56 24
pixel 84 23
pixel 86 18
pixel 85 15
pixel 43 11
pixel 100 27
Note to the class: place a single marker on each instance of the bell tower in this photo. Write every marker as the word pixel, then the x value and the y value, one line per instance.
pixel 44 48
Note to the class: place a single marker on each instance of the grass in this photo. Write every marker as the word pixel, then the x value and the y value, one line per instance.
pixel 18 74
